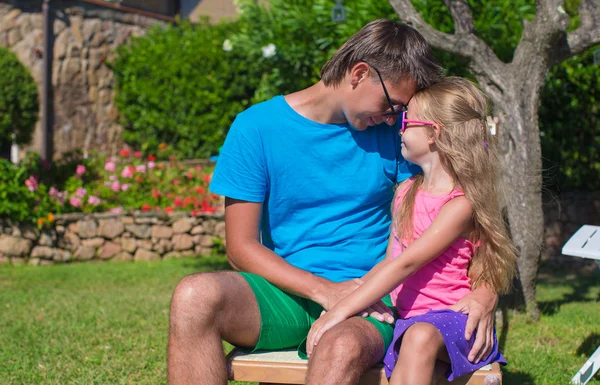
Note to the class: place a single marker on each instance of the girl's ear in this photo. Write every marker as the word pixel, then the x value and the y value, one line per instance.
pixel 434 132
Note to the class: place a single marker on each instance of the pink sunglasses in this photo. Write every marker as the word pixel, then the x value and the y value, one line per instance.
pixel 406 121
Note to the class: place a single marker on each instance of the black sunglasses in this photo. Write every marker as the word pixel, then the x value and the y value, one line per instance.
pixel 387 95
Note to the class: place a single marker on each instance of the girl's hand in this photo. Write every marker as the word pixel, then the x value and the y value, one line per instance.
pixel 325 322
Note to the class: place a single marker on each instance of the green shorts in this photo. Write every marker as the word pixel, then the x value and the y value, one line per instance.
pixel 286 319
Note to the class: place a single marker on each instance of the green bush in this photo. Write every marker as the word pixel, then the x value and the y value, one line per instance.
pixel 19 104
pixel 22 197
pixel 177 85
pixel 570 124
pixel 303 35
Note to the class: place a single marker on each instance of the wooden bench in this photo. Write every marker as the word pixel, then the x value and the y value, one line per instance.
pixel 285 367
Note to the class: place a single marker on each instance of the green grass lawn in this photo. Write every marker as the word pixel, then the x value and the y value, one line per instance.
pixel 107 324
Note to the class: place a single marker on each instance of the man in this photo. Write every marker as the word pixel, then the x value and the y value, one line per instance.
pixel 308 180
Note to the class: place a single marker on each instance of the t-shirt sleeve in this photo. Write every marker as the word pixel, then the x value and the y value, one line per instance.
pixel 240 172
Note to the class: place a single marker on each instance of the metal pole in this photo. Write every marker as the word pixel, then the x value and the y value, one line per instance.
pixel 47 140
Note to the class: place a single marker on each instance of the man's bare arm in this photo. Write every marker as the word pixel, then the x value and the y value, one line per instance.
pixel 246 253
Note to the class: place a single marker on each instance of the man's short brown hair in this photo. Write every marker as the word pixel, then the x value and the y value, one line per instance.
pixel 397 50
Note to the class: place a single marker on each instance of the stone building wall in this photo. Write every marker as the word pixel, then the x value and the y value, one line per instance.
pixel 85 37
pixel 139 236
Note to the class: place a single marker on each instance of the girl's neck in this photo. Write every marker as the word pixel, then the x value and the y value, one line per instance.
pixel 436 180
pixel 318 103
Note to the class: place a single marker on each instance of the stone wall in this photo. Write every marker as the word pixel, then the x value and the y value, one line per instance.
pixel 139 236
pixel 153 236
pixel 85 37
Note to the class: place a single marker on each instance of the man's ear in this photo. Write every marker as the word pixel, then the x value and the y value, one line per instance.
pixel 359 72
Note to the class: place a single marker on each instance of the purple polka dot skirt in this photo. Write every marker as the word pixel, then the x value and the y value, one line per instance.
pixel 452 326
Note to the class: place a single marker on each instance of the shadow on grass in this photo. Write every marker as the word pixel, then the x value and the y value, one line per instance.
pixel 589 345
pixel 516 378
pixel 580 285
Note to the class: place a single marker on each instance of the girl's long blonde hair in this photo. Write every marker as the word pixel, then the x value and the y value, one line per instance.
pixel 469 153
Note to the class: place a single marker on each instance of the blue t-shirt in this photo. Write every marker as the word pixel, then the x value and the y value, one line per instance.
pixel 326 189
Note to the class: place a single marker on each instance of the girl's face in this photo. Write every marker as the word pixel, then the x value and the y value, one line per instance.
pixel 417 137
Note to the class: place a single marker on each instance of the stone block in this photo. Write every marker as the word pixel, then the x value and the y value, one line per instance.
pixel 139 231
pixel 145 255
pixel 108 250
pixel 182 226
pixel 14 246
pixel 110 228
pixel 182 242
pixel 159 231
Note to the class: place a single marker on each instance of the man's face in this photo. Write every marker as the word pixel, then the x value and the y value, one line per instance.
pixel 367 103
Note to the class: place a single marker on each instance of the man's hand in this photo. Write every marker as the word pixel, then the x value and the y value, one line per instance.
pixel 480 305
pixel 334 292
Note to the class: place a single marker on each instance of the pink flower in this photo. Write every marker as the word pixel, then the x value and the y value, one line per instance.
pixel 80 169
pixel 110 166
pixel 32 183
pixel 93 200
pixel 74 201
pixel 113 177
pixel 137 154
pixel 141 168
pixel 53 192
pixel 81 192
pixel 125 187
pixel 151 165
pixel 116 210
pixel 115 186
pixel 127 172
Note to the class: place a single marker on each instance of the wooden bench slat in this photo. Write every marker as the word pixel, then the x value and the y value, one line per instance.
pixel 285 367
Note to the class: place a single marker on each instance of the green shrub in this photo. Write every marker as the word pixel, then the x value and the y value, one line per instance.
pixel 18 100
pixel 570 124
pixel 177 85
pixel 22 197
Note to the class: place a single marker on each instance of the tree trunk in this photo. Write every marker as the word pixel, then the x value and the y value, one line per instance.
pixel 517 110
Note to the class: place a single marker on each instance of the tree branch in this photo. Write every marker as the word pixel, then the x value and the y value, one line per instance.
pixel 461 15
pixel 481 57
pixel 540 36
pixel 585 36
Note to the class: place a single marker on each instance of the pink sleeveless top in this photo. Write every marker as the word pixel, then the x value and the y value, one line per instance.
pixel 443 281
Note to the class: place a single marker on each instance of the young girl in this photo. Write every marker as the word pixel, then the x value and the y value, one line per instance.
pixel 448 237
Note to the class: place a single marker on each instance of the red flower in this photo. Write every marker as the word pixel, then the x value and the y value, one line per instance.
pixel 124 153
pixel 187 201
pixel 214 197
pixel 176 182
pixel 137 154
pixel 200 190
pixel 206 178
pixel 151 158
pixel 169 210
pixel 155 193
pixel 146 207
pixel 178 202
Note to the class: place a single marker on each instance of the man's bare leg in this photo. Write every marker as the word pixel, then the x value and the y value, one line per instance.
pixel 206 308
pixel 344 353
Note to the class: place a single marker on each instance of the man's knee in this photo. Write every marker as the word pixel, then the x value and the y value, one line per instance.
pixel 421 338
pixel 198 296
pixel 345 346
